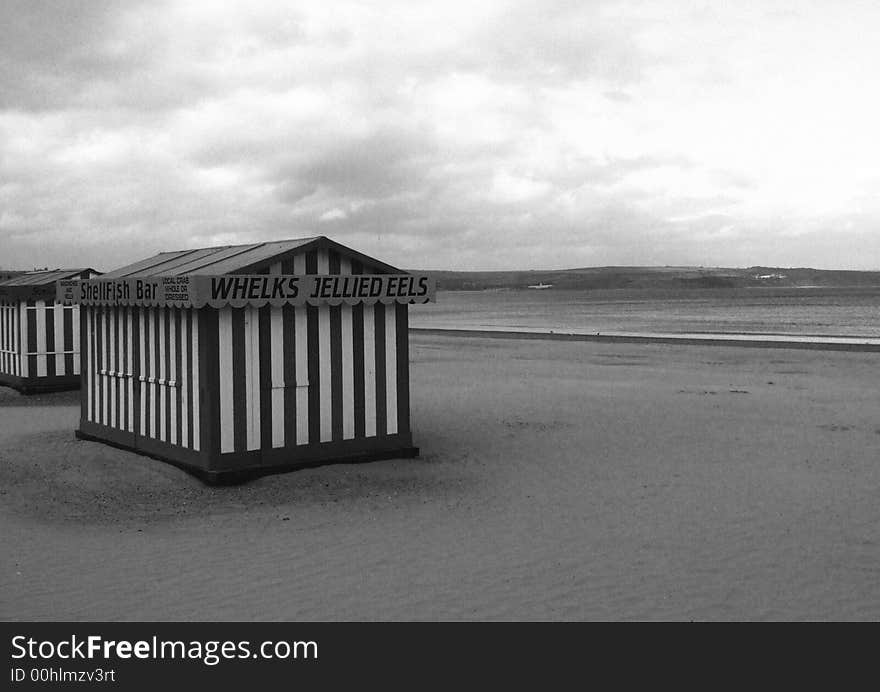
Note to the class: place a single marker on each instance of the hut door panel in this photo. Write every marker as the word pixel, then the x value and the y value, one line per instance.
pixel 164 381
pixel 245 380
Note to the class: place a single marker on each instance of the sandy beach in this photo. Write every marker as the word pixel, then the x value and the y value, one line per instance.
pixel 557 481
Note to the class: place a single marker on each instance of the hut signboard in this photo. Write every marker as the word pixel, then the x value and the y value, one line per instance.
pixel 253 289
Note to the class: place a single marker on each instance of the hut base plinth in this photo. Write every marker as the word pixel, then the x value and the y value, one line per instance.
pixel 40 385
pixel 234 476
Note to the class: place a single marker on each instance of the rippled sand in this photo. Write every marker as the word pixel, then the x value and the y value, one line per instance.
pixel 557 481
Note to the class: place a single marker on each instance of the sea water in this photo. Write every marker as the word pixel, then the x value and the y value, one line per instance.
pixel 805 311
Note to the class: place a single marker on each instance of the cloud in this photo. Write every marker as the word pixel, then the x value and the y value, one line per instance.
pixel 498 134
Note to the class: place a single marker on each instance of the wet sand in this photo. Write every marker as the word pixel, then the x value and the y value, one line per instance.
pixel 558 481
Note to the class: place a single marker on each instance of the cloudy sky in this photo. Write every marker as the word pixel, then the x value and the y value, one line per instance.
pixel 446 134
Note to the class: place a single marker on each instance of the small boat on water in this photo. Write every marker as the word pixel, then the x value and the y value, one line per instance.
pixel 541 286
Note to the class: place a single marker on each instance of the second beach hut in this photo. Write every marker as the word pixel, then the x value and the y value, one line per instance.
pixel 39 337
pixel 236 360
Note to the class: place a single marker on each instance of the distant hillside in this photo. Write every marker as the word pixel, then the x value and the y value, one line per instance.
pixel 654 277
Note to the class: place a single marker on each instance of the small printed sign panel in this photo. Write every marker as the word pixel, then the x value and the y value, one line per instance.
pixel 251 289
pixel 66 291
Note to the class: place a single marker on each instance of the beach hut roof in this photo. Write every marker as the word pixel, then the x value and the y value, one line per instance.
pixel 45 277
pixel 237 259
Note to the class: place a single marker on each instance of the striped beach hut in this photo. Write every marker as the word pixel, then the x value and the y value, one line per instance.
pixel 39 337
pixel 236 360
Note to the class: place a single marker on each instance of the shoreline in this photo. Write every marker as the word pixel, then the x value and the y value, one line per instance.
pixel 808 342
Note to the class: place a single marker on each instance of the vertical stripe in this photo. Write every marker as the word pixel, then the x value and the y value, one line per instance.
pixel 77 341
pixel 403 368
pixel 294 411
pixel 68 320
pixel 195 382
pixel 122 380
pixel 23 363
pixel 335 356
pixel 58 338
pixel 239 381
pixel 97 361
pixel 185 347
pixel 303 374
pixel 314 416
pixel 336 371
pixel 152 401
pixel 129 368
pixel 99 378
pixel 17 324
pixel 224 337
pixel 105 400
pixel 49 326
pixel 95 340
pixel 136 370
pixel 347 358
pixel 391 368
pixel 85 399
pixel 111 364
pixel 174 384
pixel 144 379
pixel 33 366
pixel 156 390
pixel 369 370
pixel 324 360
pixel 278 352
pixel 357 330
pixel 142 373
pixel 146 370
pixel 281 353
pixel 264 390
pixel 39 314
pixel 89 367
pixel 252 376
pixel 109 382
pixel 162 314
pixel 181 383
pixel 122 400
pixel 381 401
pixel 119 329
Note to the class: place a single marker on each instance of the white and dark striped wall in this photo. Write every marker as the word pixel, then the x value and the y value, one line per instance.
pixel 141 374
pixel 39 340
pixel 311 375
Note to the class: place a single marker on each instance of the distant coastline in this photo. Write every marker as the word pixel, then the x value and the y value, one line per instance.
pixel 591 278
